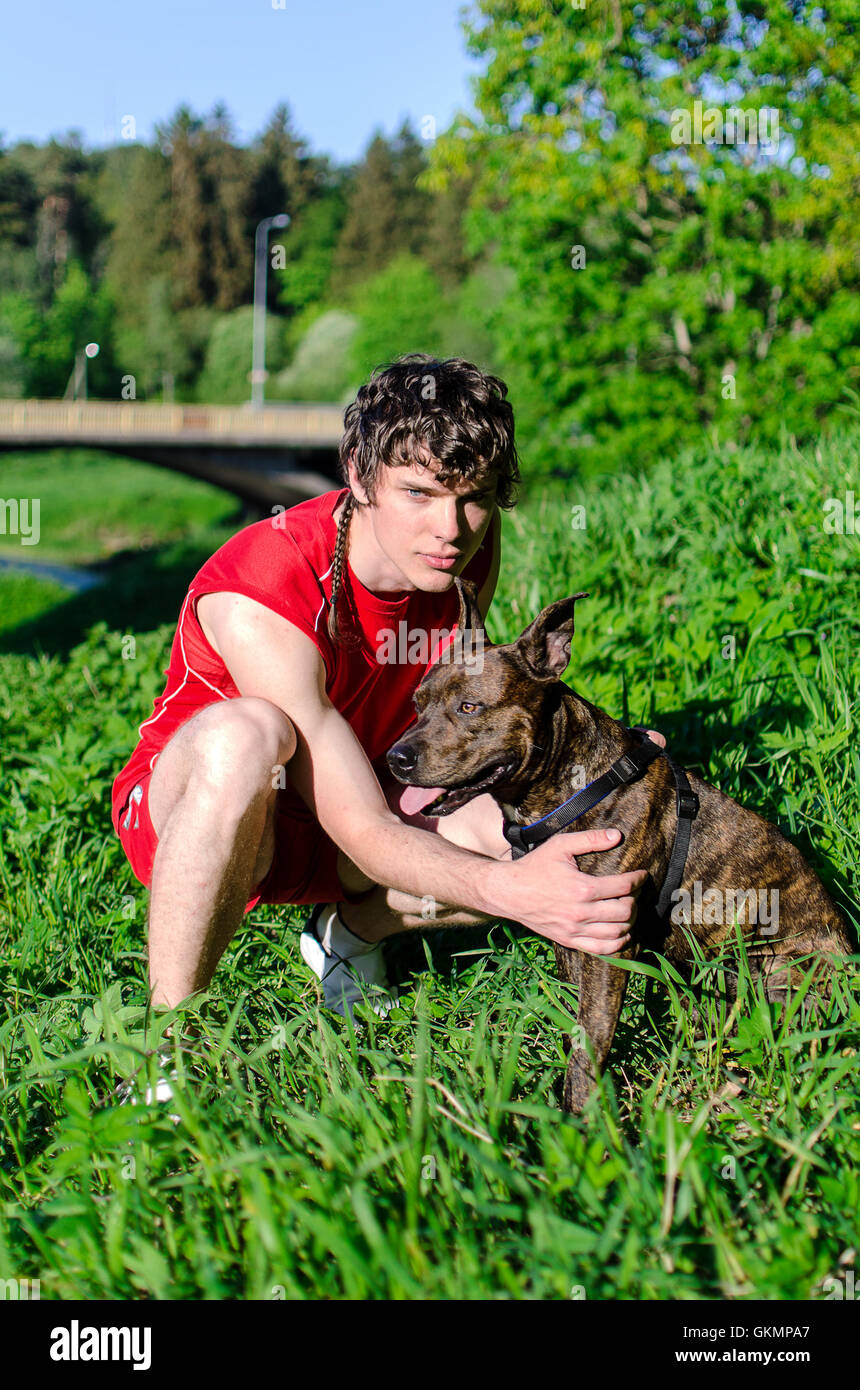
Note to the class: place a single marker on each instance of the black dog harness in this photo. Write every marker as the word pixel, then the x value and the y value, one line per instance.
pixel 628 768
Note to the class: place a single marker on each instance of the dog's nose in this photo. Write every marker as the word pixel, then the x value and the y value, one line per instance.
pixel 401 758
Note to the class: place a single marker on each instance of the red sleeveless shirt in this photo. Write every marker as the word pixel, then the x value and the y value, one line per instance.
pixel 285 563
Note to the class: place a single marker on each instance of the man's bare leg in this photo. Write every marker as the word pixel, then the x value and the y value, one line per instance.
pixel 211 800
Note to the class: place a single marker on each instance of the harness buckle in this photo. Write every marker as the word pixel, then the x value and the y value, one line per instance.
pixel 513 833
pixel 625 769
pixel 686 804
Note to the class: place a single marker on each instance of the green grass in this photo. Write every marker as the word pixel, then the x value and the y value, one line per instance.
pixel 428 1157
pixel 145 530
pixel 26 598
pixel 92 505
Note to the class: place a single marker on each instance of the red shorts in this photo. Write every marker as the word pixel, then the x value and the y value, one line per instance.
pixel 304 867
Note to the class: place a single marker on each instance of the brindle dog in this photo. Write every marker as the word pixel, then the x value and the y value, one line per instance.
pixel 507 725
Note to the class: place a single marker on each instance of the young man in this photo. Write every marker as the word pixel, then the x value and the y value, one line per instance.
pixel 260 775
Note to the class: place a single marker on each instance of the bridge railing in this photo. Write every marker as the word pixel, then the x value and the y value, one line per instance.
pixel 65 420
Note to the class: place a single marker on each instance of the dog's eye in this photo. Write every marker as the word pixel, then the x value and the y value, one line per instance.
pixel 469 707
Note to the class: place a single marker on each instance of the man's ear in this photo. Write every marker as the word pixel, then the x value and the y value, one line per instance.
pixel 355 486
pixel 545 644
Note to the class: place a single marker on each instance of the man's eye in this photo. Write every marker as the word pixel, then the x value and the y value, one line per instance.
pixel 469 707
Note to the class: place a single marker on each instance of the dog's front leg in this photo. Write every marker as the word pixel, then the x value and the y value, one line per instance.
pixel 601 994
pixel 569 964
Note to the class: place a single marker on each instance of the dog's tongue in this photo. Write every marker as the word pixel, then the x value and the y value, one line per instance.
pixel 416 798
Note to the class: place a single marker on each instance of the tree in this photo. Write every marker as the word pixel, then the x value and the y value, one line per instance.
pixel 61 221
pixel 19 204
pixel 284 174
pixel 19 201
pixel 309 247
pixel 663 286
pixel 135 194
pixel 398 311
pixel 211 247
pixel 388 212
pixel 321 366
pixel 46 344
pixel 225 379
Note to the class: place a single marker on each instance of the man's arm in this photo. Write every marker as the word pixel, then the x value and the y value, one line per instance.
pixel 269 657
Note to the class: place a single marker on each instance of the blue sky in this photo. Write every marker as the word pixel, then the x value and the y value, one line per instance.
pixel 344 69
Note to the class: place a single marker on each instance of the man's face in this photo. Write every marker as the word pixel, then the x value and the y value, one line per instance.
pixel 427 530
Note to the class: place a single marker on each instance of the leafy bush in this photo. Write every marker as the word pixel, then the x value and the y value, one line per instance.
pixel 319 370
pixel 226 375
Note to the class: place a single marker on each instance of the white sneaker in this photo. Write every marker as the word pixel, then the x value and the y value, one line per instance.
pixel 163 1089
pixel 340 959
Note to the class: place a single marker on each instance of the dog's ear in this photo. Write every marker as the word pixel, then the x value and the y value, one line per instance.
pixel 545 644
pixel 470 614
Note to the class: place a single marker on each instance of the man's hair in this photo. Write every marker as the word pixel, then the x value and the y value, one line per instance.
pixel 416 406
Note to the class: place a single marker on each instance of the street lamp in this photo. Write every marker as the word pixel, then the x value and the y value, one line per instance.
pixel 261 269
pixel 77 383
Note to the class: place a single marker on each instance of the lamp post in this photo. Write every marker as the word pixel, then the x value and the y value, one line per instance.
pixel 77 383
pixel 261 270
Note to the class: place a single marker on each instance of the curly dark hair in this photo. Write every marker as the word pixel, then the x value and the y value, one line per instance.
pixel 417 405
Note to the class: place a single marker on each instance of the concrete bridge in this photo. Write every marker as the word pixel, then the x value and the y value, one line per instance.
pixel 266 455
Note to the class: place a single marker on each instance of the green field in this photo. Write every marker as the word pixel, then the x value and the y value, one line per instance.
pixel 427 1156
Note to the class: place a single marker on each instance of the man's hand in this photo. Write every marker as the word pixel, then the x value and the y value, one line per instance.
pixel 599 910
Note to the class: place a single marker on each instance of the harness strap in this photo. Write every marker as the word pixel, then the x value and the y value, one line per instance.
pixel 627 768
pixel 686 809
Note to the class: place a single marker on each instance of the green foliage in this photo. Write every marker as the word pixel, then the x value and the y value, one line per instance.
pixel 180 252
pixel 389 313
pixel 468 319
pixel 387 213
pixel 40 351
pixel 19 201
pixel 427 1157
pixel 162 348
pixel 319 370
pixel 12 366
pixel 397 310
pixel 26 597
pixel 309 244
pixel 662 287
pixel 207 255
pixel 404 307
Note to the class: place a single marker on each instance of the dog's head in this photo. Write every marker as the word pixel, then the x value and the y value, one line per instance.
pixel 482 724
